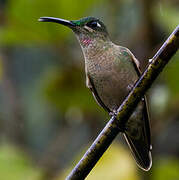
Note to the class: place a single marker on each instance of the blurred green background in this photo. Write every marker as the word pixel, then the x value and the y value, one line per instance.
pixel 48 118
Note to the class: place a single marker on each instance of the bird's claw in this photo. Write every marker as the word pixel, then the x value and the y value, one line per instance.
pixel 113 113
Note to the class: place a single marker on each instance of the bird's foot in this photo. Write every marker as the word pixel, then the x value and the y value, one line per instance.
pixel 121 127
pixel 113 113
pixel 129 87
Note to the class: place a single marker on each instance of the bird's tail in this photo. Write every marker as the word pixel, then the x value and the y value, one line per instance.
pixel 137 135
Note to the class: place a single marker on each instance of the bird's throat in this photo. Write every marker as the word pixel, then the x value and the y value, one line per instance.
pixel 86 41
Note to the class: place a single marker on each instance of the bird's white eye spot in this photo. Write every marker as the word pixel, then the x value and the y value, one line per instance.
pixel 99 25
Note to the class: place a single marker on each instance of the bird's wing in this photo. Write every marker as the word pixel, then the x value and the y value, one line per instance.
pixel 91 86
pixel 134 61
pixel 137 132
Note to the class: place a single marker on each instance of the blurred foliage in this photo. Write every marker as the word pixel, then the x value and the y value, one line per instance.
pixel 65 90
pixel 171 75
pixel 159 100
pixel 1 68
pixel 165 169
pixel 22 20
pixel 115 164
pixel 16 165
pixel 166 15
pixel 42 86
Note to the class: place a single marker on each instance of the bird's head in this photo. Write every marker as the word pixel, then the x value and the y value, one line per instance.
pixel 86 29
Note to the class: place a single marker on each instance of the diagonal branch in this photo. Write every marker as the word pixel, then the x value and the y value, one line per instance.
pixel 107 135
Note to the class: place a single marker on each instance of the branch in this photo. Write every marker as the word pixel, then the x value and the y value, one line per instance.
pixel 105 138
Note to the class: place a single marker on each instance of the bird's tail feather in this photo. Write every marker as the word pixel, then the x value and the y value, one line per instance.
pixel 137 135
pixel 141 154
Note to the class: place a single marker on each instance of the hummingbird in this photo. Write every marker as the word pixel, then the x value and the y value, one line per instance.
pixel 111 71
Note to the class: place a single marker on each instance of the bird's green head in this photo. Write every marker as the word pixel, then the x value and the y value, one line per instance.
pixel 86 29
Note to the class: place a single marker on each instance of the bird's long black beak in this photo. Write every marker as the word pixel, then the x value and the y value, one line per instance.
pixel 57 20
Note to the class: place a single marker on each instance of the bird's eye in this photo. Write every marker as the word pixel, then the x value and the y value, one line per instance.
pixel 93 24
